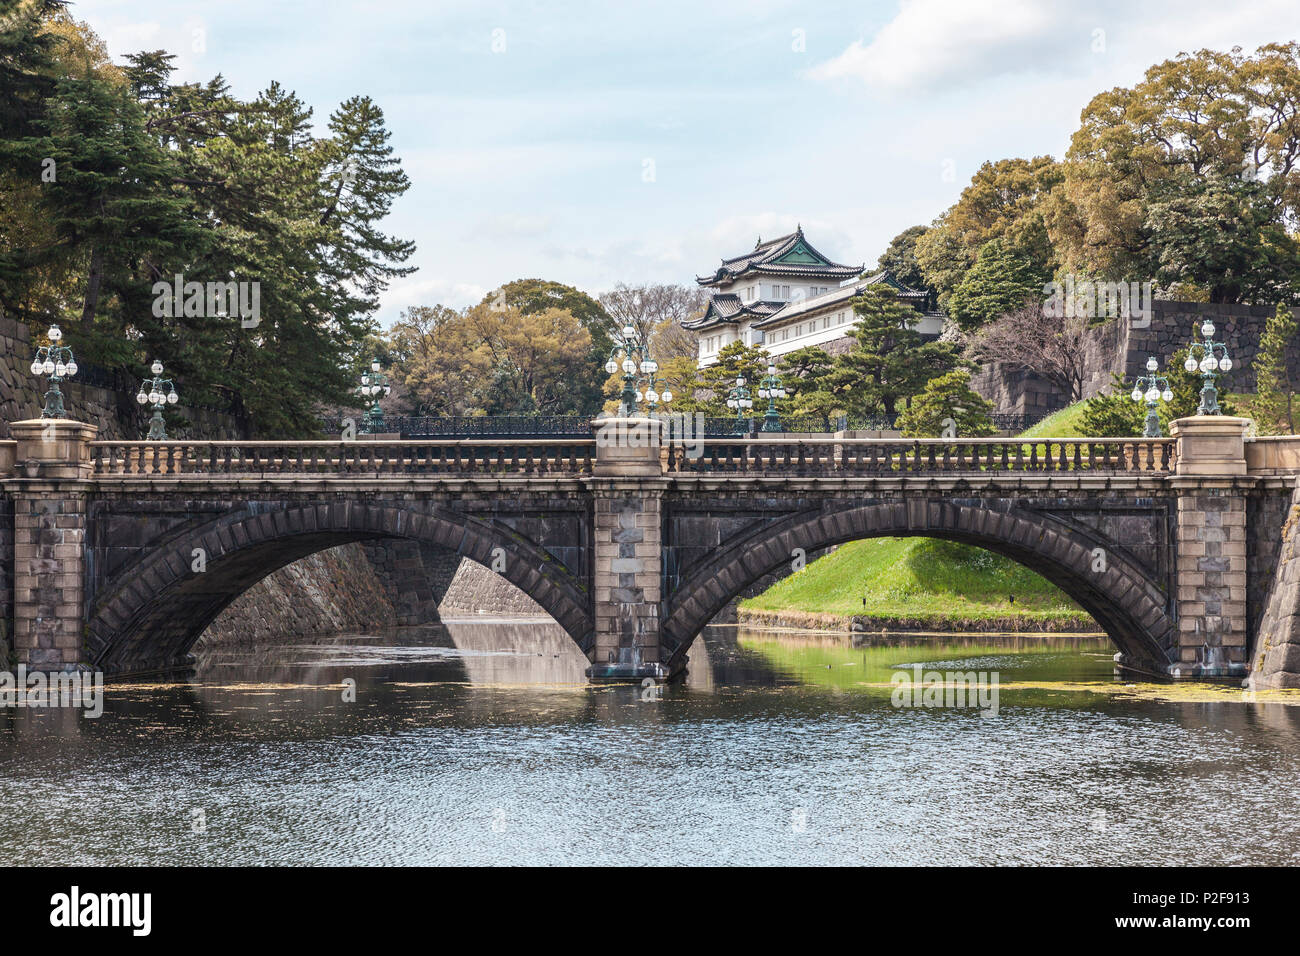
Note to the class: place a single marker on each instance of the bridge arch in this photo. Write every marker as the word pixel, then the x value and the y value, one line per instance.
pixel 1123 599
pixel 153 610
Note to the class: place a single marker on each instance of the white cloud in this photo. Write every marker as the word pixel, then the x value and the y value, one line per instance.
pixel 935 42
pixel 412 290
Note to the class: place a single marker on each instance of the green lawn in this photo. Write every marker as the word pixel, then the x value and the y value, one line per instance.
pixel 921 579
pixel 1062 424
pixel 925 579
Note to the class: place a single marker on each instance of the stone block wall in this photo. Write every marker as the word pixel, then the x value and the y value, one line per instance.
pixel 1211 567
pixel 1267 514
pixel 1277 651
pixel 476 590
pixel 114 413
pixel 1117 346
pixel 332 590
pixel 49 531
pixel 628 576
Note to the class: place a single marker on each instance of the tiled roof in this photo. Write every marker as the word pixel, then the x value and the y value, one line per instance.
pixel 766 259
pixel 836 296
pixel 728 308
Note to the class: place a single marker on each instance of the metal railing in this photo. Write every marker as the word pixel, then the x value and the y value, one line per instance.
pixel 341 458
pixel 775 456
pixel 579 426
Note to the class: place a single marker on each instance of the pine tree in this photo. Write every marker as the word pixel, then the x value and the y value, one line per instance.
pixel 1275 404
pixel 948 402
pixel 1113 414
pixel 1000 281
pixel 889 361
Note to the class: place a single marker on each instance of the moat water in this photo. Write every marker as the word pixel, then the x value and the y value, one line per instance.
pixel 478 742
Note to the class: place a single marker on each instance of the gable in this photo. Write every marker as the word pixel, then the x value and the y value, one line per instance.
pixel 802 255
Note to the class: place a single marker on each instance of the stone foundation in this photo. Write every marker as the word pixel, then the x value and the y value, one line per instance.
pixel 1277 654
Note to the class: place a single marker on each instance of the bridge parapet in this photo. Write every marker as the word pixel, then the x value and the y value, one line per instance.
pixel 846 457
pixel 361 457
pixel 1273 456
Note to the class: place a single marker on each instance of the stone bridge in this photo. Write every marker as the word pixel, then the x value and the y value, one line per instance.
pixel 117 555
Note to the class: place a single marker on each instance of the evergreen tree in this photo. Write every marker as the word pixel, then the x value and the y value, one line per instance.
pixel 948 399
pixel 805 373
pixel 1275 405
pixel 1000 281
pixel 888 361
pixel 1113 414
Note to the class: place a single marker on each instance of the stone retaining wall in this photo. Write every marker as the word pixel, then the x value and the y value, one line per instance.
pixel 1117 346
pixel 333 590
pixel 114 413
pixel 1277 653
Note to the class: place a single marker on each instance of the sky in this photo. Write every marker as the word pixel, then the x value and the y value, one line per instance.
pixel 596 143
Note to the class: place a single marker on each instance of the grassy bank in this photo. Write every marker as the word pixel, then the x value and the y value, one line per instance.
pixel 925 582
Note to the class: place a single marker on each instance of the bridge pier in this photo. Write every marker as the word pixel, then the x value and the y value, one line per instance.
pixel 52 464
pixel 1210 568
pixel 628 488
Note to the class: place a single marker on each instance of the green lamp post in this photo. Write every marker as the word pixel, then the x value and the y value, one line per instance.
pixel 158 392
pixel 56 361
pixel 1154 389
pixel 631 353
pixel 739 399
pixel 771 388
pixel 374 384
pixel 1214 357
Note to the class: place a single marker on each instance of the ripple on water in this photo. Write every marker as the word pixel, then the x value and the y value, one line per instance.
pixel 790 752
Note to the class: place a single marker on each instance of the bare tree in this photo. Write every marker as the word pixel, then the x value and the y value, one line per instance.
pixel 657 312
pixel 1050 347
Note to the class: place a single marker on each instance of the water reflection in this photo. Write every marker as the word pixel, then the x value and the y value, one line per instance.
pixel 479 741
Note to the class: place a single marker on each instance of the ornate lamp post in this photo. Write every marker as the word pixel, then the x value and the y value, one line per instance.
pixel 158 392
pixel 771 388
pixel 373 384
pixel 56 361
pixel 1214 355
pixel 632 355
pixel 1153 388
pixel 738 398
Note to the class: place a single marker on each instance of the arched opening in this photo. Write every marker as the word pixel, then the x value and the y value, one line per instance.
pixel 154 609
pixel 1132 610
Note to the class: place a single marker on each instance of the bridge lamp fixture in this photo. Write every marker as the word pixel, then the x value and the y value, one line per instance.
pixel 373 385
pixel 1152 389
pixel 56 362
pixel 771 388
pixel 739 399
pixel 158 392
pixel 631 355
pixel 1214 358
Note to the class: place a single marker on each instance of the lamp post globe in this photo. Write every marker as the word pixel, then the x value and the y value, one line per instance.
pixel 373 384
pixel 771 388
pixel 158 392
pixel 56 362
pixel 1213 357
pixel 1152 388
pixel 631 355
